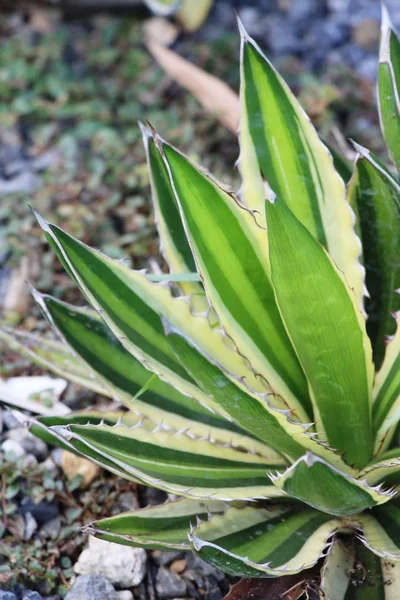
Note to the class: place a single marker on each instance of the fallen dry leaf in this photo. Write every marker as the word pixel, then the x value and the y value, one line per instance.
pixel 160 30
pixel 215 95
pixel 292 587
pixel 192 14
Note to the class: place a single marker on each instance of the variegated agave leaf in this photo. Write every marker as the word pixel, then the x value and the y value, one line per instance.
pixel 259 378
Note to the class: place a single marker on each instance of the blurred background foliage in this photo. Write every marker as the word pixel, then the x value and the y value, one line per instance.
pixel 71 92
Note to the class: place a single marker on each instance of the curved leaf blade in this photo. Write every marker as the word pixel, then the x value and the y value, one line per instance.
pixel 253 411
pixel 385 469
pixel 316 483
pixel 294 161
pixel 176 463
pixel 386 394
pixel 163 527
pixel 389 87
pixel 173 243
pixel 375 198
pixel 320 312
pixel 335 571
pixel 256 542
pixel 94 342
pixel 380 531
pixel 40 428
pixel 51 355
pixel 131 307
pixel 226 240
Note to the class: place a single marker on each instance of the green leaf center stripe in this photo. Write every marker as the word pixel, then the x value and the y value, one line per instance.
pixel 252 413
pixel 99 280
pixel 222 247
pixel 167 212
pixel 388 518
pixel 387 384
pixel 167 528
pixel 389 87
pixel 263 83
pixel 388 394
pixel 386 407
pixel 183 466
pixel 162 526
pixel 43 430
pixel 296 164
pixel 277 540
pixel 267 540
pixel 375 197
pixel 316 483
pixel 327 331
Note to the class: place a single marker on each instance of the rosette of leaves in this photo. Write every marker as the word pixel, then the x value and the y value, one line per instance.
pixel 260 378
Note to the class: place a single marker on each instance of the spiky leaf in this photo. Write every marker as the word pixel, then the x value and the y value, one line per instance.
pixel 253 411
pixel 176 463
pixel 254 542
pixel 173 242
pixel 389 87
pixel 375 197
pixel 316 483
pixel 124 378
pixel 163 526
pixel 327 331
pixel 51 355
pixel 278 140
pixel 380 531
pixel 225 240
pixel 386 407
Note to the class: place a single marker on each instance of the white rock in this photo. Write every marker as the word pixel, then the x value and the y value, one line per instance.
pixel 13 448
pixel 30 526
pixel 124 595
pixel 122 565
pixel 30 443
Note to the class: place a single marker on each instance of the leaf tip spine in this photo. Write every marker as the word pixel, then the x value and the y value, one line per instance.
pixel 45 225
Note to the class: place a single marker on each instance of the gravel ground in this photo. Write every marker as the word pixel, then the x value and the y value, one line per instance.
pixel 69 142
pixel 45 501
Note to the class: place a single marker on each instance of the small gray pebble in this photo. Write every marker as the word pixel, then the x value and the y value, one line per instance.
pixel 9 421
pixel 30 443
pixel 205 569
pixel 12 449
pixel 30 526
pixel 56 456
pixel 7 595
pixel 169 584
pixel 127 501
pixel 43 511
pixel 49 465
pixel 51 529
pixel 214 594
pixel 31 595
pixel 92 587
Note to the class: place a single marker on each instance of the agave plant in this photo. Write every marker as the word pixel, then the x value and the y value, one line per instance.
pixel 247 373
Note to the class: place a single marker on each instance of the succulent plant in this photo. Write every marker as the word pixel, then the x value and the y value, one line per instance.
pixel 260 377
